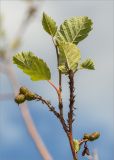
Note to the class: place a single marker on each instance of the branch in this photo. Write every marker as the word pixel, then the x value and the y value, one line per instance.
pixel 70 113
pixel 57 90
pixel 52 109
pixel 72 100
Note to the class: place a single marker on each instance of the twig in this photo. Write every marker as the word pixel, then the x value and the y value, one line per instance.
pixel 72 100
pixel 60 79
pixel 70 113
pixel 52 109
pixel 57 89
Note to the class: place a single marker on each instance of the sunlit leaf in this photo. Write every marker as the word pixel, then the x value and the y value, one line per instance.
pixel 33 66
pixel 87 64
pixel 74 29
pixel 49 24
pixel 69 57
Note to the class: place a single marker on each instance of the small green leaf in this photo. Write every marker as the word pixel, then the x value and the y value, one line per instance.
pixel 87 64
pixel 74 29
pixel 76 145
pixel 33 66
pixel 49 25
pixel 69 57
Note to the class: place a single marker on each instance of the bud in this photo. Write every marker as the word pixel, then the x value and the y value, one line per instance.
pixel 19 98
pixel 76 145
pixel 86 136
pixel 94 136
pixel 23 90
pixel 30 96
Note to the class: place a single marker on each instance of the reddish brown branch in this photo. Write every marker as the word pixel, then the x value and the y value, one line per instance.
pixel 72 146
pixel 70 113
pixel 52 109
pixel 72 100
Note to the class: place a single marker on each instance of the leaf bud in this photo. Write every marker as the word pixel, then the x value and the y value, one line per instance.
pixel 76 145
pixel 94 136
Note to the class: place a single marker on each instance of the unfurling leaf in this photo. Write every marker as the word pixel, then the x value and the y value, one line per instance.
pixel 33 66
pixel 76 145
pixel 69 57
pixel 49 25
pixel 87 64
pixel 74 29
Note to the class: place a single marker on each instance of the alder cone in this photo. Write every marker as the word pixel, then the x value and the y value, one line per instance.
pixel 86 136
pixel 30 96
pixel 20 98
pixel 23 90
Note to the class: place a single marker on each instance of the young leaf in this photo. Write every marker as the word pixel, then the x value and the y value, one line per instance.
pixel 69 57
pixel 74 29
pixel 33 66
pixel 87 64
pixel 76 145
pixel 49 25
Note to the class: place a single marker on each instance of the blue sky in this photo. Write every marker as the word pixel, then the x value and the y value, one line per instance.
pixel 94 89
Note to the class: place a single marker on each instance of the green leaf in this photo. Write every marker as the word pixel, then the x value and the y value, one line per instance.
pixel 76 145
pixel 69 57
pixel 33 66
pixel 49 25
pixel 74 29
pixel 87 64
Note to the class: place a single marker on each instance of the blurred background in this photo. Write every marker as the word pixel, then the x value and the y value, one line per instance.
pixel 21 30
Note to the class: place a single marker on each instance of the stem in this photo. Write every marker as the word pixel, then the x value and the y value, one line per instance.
pixel 57 90
pixel 82 141
pixel 72 100
pixel 70 113
pixel 52 109
pixel 72 146
pixel 60 79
